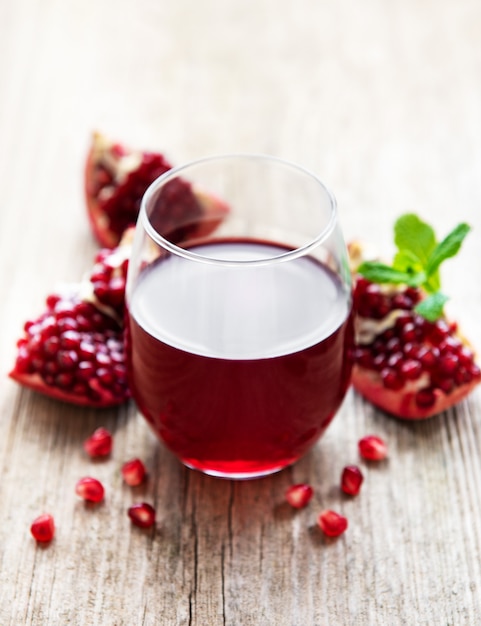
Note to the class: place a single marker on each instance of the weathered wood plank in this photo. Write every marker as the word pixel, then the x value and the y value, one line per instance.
pixel 382 100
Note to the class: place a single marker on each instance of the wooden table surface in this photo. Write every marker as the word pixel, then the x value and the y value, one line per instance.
pixel 382 99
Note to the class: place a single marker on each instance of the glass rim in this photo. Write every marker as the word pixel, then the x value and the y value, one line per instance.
pixel 295 253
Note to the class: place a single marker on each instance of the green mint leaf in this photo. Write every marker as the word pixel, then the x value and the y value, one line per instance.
pixel 415 236
pixel 431 308
pixel 407 261
pixel 432 283
pixel 380 273
pixel 447 248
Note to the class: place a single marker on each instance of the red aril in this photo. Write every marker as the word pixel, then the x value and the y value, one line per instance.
pixel 133 472
pixel 116 178
pixel 299 496
pixel 43 528
pixel 351 480
pixel 331 523
pixel 99 443
pixel 142 514
pixel 372 448
pixel 90 489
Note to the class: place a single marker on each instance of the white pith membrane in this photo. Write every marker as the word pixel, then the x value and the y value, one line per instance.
pixel 120 165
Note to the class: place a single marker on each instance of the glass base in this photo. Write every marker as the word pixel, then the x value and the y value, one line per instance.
pixel 237 475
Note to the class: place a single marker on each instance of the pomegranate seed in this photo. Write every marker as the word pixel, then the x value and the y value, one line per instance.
pixel 411 350
pixel 448 364
pixel 67 359
pixel 391 379
pixel 51 346
pixel 351 480
pixel 64 380
pixel 393 345
pixel 43 528
pixel 90 489
pixel 363 357
pixel 331 523
pixel 70 339
pixel 425 398
pixel 446 384
pixel 411 369
pixel 414 294
pixel 408 332
pixel 395 359
pixel 142 514
pixel 133 472
pixel 299 495
pixel 372 448
pixel 429 356
pixel 99 443
pixel 379 362
pixel 450 345
pixel 402 301
pixel 52 300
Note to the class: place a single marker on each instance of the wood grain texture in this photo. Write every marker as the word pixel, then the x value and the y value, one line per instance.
pixel 380 99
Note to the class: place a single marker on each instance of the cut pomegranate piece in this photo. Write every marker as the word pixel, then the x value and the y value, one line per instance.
pixel 351 480
pixel 331 523
pixel 116 178
pixel 90 489
pixel 404 364
pixel 133 472
pixel 142 514
pixel 43 528
pixel 372 448
pixel 409 365
pixel 99 443
pixel 49 362
pixel 299 495
pixel 74 351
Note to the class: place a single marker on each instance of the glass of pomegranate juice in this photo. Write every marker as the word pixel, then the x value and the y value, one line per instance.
pixel 238 313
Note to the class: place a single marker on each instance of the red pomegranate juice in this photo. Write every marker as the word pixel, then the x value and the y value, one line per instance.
pixel 238 370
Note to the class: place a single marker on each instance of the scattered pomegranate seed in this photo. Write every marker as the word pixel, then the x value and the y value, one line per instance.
pixel 372 448
pixel 351 480
pixel 331 523
pixel 299 495
pixel 133 472
pixel 99 443
pixel 90 489
pixel 142 514
pixel 43 528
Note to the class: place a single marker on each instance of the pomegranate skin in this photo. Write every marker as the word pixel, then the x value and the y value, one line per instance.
pixel 402 404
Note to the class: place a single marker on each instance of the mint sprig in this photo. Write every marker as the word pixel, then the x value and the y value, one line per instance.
pixel 417 261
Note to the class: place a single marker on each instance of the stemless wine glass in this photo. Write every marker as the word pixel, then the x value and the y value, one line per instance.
pixel 238 313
